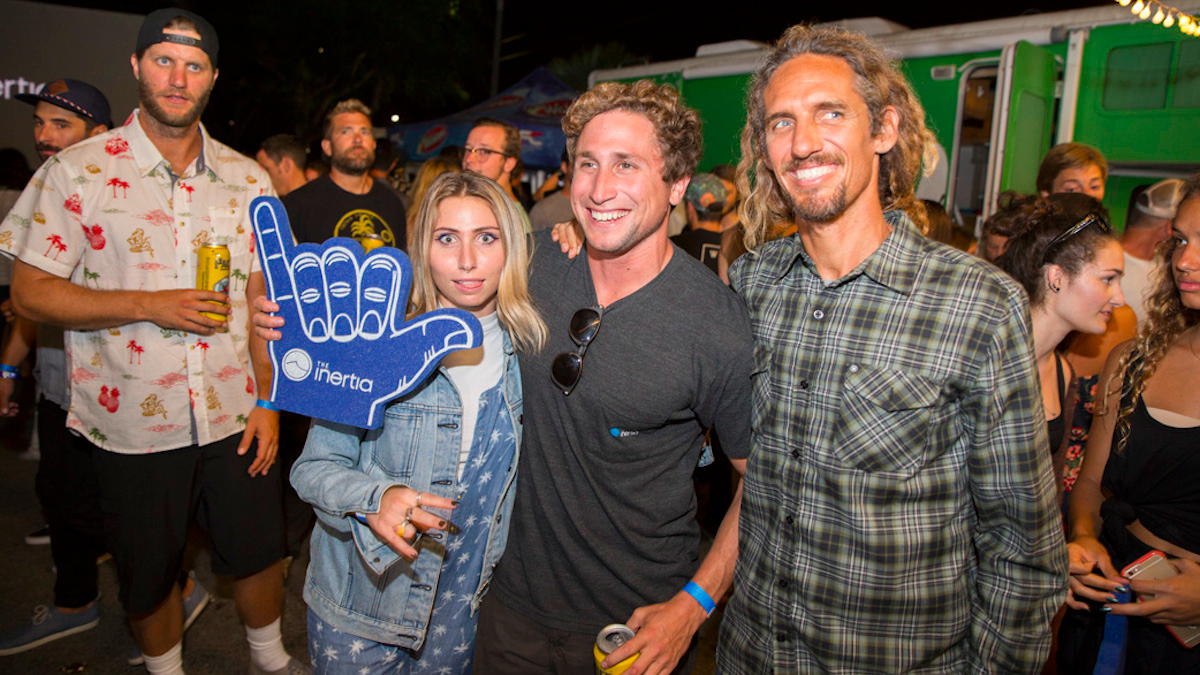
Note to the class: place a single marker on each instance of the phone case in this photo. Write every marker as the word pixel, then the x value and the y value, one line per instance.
pixel 1152 567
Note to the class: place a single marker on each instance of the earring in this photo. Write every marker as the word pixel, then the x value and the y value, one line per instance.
pixel 1054 288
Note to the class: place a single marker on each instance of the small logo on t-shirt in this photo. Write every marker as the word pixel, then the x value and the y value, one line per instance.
pixel 621 433
pixel 358 223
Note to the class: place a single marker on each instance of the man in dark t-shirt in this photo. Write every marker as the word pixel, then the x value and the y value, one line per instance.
pixel 603 527
pixel 347 202
pixel 705 198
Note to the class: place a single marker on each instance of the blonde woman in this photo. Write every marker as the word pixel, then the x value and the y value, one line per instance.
pixel 1139 489
pixel 412 516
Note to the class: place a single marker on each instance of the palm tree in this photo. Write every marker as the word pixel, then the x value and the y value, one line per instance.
pixel 98 437
pixel 56 241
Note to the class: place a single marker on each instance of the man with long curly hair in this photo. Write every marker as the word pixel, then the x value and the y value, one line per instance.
pixel 899 513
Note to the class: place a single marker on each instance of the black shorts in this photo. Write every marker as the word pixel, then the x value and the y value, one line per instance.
pixel 149 500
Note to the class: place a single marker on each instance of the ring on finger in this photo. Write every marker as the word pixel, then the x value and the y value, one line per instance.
pixel 403 527
pixel 418 500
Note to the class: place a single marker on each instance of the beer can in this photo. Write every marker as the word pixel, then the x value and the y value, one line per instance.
pixel 212 273
pixel 610 638
pixel 370 242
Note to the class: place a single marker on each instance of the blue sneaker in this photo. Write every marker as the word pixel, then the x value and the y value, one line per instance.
pixel 193 604
pixel 48 624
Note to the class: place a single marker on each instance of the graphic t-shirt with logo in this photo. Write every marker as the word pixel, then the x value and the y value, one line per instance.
pixel 321 210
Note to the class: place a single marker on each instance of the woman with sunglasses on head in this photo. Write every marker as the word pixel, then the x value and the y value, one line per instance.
pixel 1070 263
pixel 1139 489
pixel 412 516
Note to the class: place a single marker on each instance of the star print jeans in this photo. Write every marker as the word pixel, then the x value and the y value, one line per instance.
pixel 334 652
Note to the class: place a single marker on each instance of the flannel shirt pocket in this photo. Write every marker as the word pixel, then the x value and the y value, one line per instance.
pixel 885 420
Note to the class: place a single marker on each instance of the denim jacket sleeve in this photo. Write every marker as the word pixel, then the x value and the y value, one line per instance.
pixel 329 476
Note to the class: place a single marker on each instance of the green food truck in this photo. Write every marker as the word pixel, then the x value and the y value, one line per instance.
pixel 998 94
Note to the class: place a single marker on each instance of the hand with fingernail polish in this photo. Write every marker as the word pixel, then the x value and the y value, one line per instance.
pixel 403 515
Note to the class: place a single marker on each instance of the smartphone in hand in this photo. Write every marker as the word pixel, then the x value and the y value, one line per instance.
pixel 1152 567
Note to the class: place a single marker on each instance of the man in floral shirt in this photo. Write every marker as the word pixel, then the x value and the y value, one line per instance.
pixel 106 236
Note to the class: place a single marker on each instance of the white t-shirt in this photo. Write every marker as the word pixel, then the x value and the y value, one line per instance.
pixel 1135 283
pixel 474 371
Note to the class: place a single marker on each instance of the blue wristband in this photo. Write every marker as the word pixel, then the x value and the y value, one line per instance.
pixel 4 367
pixel 266 405
pixel 693 589
pixel 361 518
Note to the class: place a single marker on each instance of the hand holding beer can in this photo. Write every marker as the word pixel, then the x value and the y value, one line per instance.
pixel 611 637
pixel 212 273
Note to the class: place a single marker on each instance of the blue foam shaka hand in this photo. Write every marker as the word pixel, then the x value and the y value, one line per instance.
pixel 347 348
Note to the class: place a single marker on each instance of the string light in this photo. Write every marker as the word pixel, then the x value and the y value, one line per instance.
pixel 1163 15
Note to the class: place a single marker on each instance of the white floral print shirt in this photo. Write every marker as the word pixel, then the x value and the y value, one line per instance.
pixel 107 214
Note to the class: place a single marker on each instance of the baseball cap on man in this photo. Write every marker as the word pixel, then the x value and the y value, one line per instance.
pixel 151 32
pixel 1161 199
pixel 706 193
pixel 78 97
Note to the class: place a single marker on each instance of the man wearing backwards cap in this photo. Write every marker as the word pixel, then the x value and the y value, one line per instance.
pixel 1148 225
pixel 163 395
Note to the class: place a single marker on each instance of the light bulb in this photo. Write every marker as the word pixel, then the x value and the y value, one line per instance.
pixel 1123 3
pixel 1137 6
pixel 1158 16
pixel 1145 13
pixel 1169 21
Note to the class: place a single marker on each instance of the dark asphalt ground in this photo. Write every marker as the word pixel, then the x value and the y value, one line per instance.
pixel 215 644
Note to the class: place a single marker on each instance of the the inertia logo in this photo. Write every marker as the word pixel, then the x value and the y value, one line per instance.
pixel 621 433
pixel 20 86
pixel 297 364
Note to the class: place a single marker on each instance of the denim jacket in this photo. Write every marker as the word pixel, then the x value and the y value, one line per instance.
pixel 355 581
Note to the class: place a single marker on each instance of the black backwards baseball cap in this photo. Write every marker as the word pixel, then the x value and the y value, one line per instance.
pixel 151 32
pixel 78 97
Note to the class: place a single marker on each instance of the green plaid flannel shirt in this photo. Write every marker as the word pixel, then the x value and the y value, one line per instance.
pixel 899 512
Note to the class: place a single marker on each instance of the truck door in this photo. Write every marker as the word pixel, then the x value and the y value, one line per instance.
pixel 1023 120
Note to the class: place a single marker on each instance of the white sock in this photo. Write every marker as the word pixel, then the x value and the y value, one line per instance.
pixel 170 663
pixel 266 647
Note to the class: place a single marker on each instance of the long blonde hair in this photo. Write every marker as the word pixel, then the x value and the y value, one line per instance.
pixel 1166 319
pixel 516 309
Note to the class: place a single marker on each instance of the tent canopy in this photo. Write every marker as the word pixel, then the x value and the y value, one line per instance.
pixel 535 105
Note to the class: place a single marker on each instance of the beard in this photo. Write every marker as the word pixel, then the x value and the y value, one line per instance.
pixel 353 166
pixel 179 121
pixel 813 208
pixel 46 150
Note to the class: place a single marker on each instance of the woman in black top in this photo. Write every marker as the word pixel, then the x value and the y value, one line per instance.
pixel 1139 489
pixel 1070 263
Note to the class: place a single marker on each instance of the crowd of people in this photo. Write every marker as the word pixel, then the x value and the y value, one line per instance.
pixel 915 458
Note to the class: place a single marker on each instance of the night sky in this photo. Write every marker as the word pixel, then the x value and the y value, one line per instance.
pixel 283 62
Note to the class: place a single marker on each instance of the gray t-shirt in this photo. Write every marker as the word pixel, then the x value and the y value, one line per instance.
pixel 604 520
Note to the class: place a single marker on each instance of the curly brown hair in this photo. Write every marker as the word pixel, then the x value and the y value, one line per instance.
pixel 676 126
pixel 880 84
pixel 1166 319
